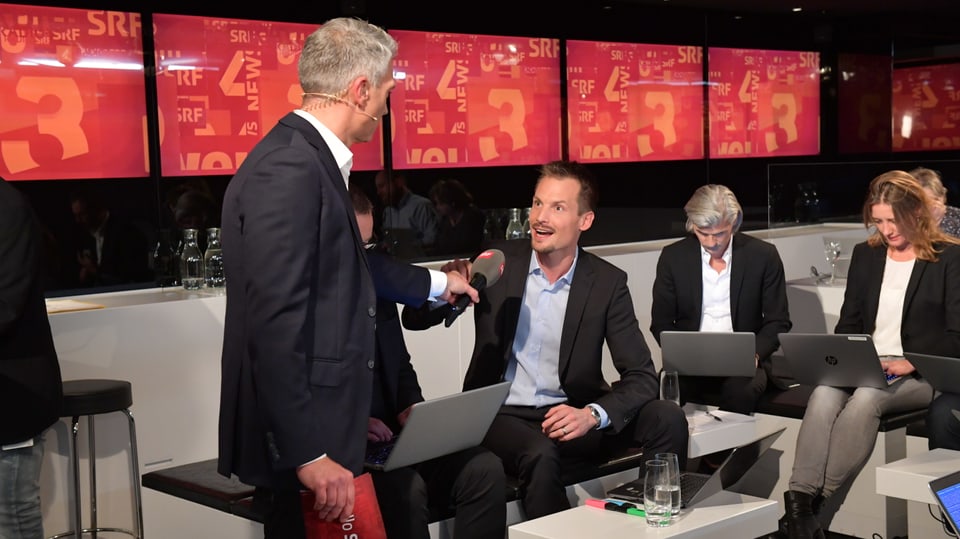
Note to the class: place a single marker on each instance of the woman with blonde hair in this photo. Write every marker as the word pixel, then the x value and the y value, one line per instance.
pixel 903 288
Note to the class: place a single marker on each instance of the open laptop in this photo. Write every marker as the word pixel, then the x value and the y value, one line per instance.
pixel 835 360
pixel 696 487
pixel 946 490
pixel 438 427
pixel 942 372
pixel 709 353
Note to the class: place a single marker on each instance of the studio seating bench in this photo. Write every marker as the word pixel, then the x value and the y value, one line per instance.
pixel 200 483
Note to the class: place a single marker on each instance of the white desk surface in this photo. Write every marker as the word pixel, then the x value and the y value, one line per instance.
pixel 725 515
pixel 709 435
pixel 909 478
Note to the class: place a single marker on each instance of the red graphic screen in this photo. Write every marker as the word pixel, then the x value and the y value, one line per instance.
pixel 926 108
pixel 763 103
pixel 224 83
pixel 465 100
pixel 634 102
pixel 74 104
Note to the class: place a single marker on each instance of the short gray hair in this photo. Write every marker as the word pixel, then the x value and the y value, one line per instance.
pixel 341 50
pixel 713 205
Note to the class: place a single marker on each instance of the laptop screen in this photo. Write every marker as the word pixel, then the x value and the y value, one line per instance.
pixel 947 491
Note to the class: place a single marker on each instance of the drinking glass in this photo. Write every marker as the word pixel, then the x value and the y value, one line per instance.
pixel 670 386
pixel 832 250
pixel 673 469
pixel 656 493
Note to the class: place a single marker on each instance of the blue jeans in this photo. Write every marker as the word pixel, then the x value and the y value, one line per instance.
pixel 20 516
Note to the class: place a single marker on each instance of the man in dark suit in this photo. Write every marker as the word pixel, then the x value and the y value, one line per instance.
pixel 298 348
pixel 472 480
pixel 718 279
pixel 30 387
pixel 543 326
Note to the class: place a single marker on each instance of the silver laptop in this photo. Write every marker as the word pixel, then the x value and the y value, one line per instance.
pixel 438 427
pixel 942 372
pixel 709 353
pixel 946 490
pixel 834 360
pixel 696 487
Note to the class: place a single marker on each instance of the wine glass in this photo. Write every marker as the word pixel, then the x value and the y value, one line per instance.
pixel 831 248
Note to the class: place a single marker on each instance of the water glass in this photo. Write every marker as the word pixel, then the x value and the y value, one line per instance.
pixel 657 493
pixel 673 468
pixel 670 386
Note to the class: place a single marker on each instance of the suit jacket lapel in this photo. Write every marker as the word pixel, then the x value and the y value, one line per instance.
pixel 576 304
pixel 736 276
pixel 872 304
pixel 327 160
pixel 516 281
pixel 918 268
pixel 695 275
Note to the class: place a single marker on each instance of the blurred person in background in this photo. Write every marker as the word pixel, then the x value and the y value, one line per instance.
pixel 461 223
pixel 404 209
pixel 948 217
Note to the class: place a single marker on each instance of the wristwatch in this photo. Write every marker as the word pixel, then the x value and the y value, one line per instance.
pixel 595 413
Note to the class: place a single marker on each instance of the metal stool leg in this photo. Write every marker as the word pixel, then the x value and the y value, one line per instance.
pixel 135 475
pixel 92 462
pixel 75 458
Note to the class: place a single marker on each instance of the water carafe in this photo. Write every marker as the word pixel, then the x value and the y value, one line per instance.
pixel 213 260
pixel 191 261
pixel 514 227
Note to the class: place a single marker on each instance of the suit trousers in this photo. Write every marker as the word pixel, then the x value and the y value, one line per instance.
pixel 283 513
pixel 736 393
pixel 536 460
pixel 943 427
pixel 471 481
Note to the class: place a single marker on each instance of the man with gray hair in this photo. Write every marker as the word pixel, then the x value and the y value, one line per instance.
pixel 298 334
pixel 718 279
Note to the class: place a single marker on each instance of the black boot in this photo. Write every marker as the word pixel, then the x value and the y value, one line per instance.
pixel 801 522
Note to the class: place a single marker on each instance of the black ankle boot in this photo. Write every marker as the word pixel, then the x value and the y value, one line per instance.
pixel 801 522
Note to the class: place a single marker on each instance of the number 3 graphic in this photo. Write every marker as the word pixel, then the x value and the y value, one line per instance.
pixel 512 125
pixel 63 124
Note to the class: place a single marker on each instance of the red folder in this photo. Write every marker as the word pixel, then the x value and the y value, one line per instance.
pixel 365 523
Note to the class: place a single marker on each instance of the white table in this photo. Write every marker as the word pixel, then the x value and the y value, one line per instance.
pixel 725 515
pixel 909 479
pixel 709 435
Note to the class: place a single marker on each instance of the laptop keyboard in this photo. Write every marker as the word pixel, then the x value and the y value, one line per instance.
pixel 891 378
pixel 377 452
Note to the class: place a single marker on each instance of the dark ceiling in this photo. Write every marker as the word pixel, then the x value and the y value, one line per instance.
pixel 828 7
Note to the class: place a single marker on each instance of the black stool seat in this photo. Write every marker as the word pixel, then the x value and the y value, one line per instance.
pixel 90 397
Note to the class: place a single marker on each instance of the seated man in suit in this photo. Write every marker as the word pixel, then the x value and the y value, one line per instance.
pixel 718 279
pixel 471 480
pixel 543 327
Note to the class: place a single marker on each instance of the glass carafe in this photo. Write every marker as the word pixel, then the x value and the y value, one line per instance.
pixel 213 260
pixel 514 227
pixel 191 261
pixel 165 260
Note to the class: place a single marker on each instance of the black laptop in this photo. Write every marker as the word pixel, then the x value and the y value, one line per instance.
pixel 696 487
pixel 835 360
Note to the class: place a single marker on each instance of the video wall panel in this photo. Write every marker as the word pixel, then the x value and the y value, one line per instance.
pixel 74 100
pixel 634 102
pixel 926 108
pixel 224 83
pixel 763 103
pixel 466 100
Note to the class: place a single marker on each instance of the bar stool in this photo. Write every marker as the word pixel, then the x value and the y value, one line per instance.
pixel 89 398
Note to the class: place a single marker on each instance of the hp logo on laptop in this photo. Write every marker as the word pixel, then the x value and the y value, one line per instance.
pixel 831 360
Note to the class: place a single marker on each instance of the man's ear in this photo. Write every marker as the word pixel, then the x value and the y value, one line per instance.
pixel 586 221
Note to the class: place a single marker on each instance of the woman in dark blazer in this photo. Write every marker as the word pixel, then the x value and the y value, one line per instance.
pixel 903 288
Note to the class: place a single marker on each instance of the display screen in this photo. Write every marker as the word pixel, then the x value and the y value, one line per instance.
pixel 763 103
pixel 634 102
pixel 74 104
pixel 926 108
pixel 465 100
pixel 863 103
pixel 222 84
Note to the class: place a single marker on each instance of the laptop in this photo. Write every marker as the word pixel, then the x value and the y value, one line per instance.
pixel 438 427
pixel 946 490
pixel 709 353
pixel 942 372
pixel 696 487
pixel 826 359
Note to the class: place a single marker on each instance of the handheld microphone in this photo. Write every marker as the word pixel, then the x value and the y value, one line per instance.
pixel 487 269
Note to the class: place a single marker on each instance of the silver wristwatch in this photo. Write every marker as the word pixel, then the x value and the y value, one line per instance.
pixel 596 414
